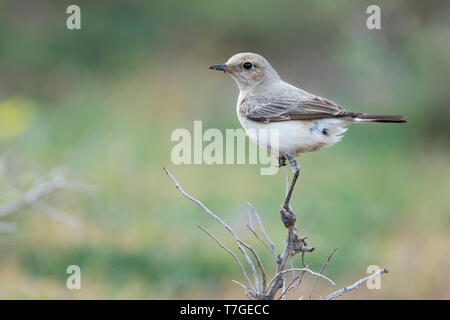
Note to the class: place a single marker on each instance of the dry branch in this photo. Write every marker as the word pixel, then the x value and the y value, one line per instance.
pixel 301 269
pixel 234 256
pixel 263 230
pixel 43 186
pixel 258 261
pixel 233 233
pixel 293 245
pixel 321 270
pixel 355 285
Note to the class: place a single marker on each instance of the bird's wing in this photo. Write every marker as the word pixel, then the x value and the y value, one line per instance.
pixel 264 109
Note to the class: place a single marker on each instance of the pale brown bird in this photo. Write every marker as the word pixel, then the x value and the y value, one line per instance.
pixel 303 121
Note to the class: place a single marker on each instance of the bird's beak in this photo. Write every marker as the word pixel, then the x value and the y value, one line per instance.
pixel 221 67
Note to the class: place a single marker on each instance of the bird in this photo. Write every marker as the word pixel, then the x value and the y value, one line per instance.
pixel 304 122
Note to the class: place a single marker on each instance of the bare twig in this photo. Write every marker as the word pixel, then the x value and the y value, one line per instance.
pixel 229 229
pixel 294 276
pixel 355 285
pixel 303 259
pixel 263 230
pixel 300 269
pixel 247 290
pixel 320 272
pixel 81 187
pixel 262 241
pixel 57 214
pixel 299 277
pixel 53 181
pixel 250 222
pixel 283 296
pixel 293 284
pixel 258 260
pixel 234 256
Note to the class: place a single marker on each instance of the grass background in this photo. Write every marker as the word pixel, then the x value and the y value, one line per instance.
pixel 104 101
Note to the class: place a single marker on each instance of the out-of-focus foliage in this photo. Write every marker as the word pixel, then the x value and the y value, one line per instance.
pixel 15 117
pixel 104 100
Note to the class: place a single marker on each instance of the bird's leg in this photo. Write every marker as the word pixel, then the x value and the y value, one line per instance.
pixel 296 169
pixel 281 161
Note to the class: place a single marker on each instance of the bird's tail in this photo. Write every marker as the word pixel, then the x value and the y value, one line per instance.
pixel 369 118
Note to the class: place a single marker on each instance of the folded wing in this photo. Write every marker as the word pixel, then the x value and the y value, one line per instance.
pixel 269 110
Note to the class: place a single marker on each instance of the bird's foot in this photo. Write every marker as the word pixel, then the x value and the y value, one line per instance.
pixel 281 161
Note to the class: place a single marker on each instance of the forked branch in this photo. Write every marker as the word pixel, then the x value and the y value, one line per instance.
pixel 55 180
pixel 293 245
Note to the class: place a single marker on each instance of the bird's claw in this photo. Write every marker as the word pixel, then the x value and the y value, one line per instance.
pixel 281 162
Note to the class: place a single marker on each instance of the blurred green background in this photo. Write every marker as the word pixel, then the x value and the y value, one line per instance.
pixel 105 99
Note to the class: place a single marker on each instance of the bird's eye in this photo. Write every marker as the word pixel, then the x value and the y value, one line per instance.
pixel 247 65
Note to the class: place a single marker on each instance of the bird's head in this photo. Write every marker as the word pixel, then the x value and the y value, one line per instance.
pixel 249 70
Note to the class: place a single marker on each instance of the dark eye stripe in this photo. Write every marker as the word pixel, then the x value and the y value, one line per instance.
pixel 247 65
